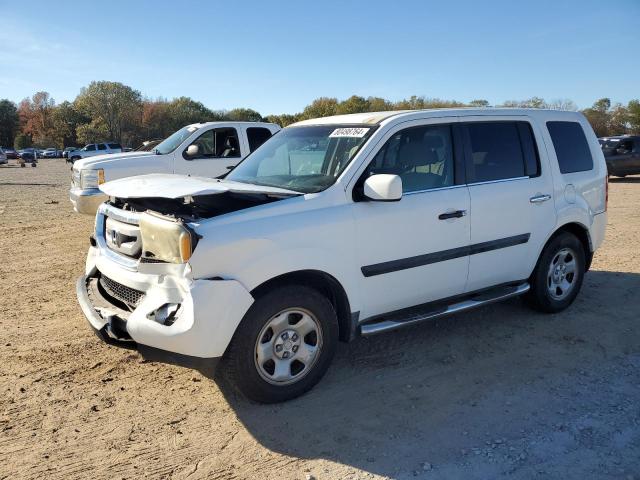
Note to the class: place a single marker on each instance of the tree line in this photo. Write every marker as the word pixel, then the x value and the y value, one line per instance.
pixel 112 111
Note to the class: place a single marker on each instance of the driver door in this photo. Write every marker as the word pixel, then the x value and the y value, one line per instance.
pixel 415 250
pixel 217 150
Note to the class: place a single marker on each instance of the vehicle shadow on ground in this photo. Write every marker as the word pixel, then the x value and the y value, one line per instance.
pixel 392 402
pixel 624 180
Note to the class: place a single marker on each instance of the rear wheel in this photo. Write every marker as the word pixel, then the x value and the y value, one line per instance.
pixel 283 346
pixel 558 276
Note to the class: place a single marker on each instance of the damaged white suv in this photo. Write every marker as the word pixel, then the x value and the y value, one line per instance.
pixel 346 226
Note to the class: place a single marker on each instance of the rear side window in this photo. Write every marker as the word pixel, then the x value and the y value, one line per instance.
pixel 257 136
pixel 571 147
pixel 102 146
pixel 115 146
pixel 496 151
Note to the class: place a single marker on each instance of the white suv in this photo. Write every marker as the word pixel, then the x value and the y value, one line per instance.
pixel 345 226
pixel 93 149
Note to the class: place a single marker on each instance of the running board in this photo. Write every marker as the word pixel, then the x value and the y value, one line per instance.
pixel 417 315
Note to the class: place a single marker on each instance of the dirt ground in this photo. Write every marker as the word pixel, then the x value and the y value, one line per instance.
pixel 501 391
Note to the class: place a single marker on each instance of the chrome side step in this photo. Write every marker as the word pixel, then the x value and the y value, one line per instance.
pixel 385 324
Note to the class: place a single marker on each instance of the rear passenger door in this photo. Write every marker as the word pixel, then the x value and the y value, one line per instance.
pixel 512 211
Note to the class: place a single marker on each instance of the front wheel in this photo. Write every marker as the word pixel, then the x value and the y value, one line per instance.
pixel 283 346
pixel 558 276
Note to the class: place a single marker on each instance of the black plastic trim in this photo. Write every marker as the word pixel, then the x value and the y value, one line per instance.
pixel 444 255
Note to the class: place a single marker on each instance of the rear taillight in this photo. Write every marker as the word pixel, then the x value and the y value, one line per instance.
pixel 606 193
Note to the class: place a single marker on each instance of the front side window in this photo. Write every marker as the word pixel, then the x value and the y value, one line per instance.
pixel 305 159
pixel 218 143
pixel 90 148
pixel 173 141
pixel 570 144
pixel 421 156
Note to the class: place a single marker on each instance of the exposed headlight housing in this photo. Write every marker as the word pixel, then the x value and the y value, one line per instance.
pixel 166 239
pixel 91 178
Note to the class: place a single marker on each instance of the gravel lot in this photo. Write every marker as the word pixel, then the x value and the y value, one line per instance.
pixel 501 391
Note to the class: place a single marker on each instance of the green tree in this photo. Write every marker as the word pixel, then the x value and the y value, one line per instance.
pixel 377 104
pixel 320 107
pixel 93 132
pixel 9 122
pixel 112 105
pixel 185 111
pixel 65 121
pixel 283 120
pixel 243 115
pixel 22 141
pixel 353 104
pixel 633 115
pixel 599 117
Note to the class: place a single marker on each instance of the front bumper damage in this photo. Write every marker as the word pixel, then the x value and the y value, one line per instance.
pixel 208 314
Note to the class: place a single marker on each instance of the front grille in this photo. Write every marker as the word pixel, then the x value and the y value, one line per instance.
pixel 126 295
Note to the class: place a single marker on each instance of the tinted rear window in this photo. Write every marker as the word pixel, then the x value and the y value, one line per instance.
pixel 257 136
pixel 114 146
pixel 571 146
pixel 496 151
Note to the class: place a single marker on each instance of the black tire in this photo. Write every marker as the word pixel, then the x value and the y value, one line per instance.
pixel 73 159
pixel 542 281
pixel 239 364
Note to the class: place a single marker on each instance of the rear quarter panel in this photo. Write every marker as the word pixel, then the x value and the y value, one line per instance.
pixel 578 196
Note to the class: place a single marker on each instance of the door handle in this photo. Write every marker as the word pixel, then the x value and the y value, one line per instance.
pixel 540 198
pixel 456 214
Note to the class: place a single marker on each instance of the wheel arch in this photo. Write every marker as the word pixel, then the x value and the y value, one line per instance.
pixel 581 232
pixel 328 286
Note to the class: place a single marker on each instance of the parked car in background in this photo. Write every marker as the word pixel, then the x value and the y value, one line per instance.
pixel 622 154
pixel 10 153
pixel 94 149
pixel 205 149
pixel 51 153
pixel 3 157
pixel 345 226
pixel 65 152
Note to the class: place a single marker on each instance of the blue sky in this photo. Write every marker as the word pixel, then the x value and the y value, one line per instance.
pixel 277 56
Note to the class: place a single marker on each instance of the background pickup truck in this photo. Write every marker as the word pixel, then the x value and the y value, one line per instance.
pixel 202 149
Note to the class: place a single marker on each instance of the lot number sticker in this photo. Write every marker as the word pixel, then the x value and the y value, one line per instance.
pixel 349 132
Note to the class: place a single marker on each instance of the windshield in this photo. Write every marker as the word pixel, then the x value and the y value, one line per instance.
pixel 172 142
pixel 303 159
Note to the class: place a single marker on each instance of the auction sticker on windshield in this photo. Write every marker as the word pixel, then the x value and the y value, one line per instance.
pixel 357 132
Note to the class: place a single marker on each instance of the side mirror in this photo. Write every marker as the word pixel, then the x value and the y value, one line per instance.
pixel 192 151
pixel 383 187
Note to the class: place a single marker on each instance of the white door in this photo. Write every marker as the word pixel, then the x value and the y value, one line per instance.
pixel 415 250
pixel 218 149
pixel 511 204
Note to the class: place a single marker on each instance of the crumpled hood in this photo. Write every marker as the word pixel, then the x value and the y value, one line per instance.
pixel 160 185
pixel 105 158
